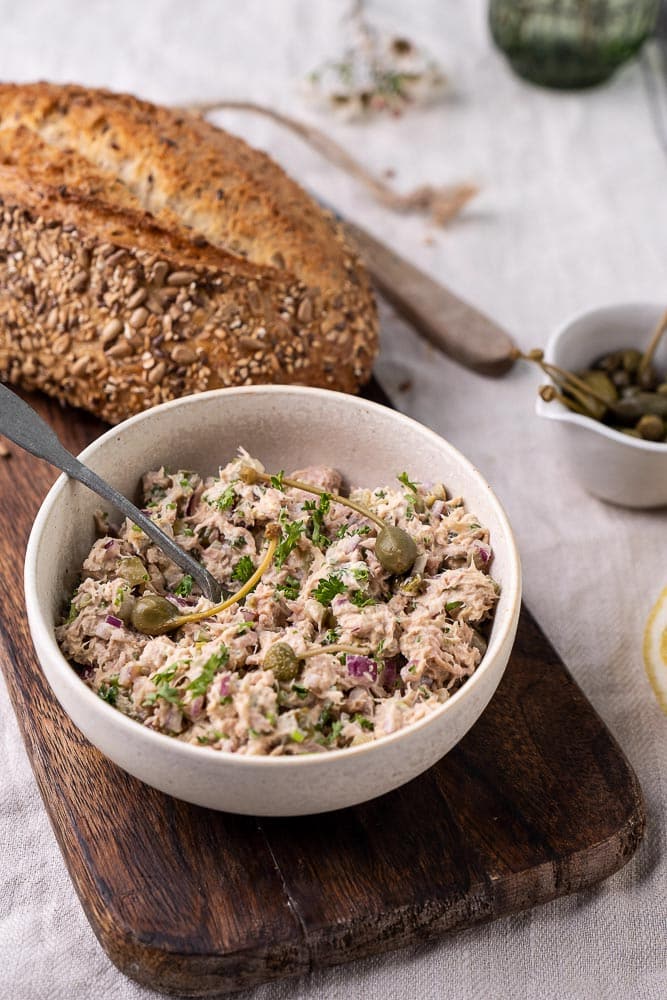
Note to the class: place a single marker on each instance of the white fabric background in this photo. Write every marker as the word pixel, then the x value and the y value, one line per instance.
pixel 573 212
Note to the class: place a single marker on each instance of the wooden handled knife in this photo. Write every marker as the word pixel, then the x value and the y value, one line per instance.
pixel 448 322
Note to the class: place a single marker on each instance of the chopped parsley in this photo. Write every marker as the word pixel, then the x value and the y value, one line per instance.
pixel 407 482
pixel 363 722
pixel 291 533
pixel 244 627
pixel 453 606
pixel 225 500
pixel 297 736
pixel 184 482
pixel 201 684
pixel 302 691
pixel 333 635
pixel 166 675
pixel 239 542
pixel 360 573
pixel 361 598
pixel 328 588
pixel 165 691
pixel 290 588
pixel 187 531
pixel 277 481
pixel 184 588
pixel 170 506
pixel 210 738
pixel 318 512
pixel 381 494
pixel 243 569
pixel 336 730
pixel 109 692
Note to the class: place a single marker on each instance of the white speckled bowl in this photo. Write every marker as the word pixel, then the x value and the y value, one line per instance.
pixel 610 465
pixel 286 427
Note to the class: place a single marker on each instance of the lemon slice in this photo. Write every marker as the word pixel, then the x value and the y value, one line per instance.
pixel 655 649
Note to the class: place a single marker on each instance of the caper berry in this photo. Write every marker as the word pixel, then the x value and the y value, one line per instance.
pixel 651 427
pixel 395 549
pixel 133 570
pixel 282 659
pixel 602 384
pixel 631 359
pixel 151 613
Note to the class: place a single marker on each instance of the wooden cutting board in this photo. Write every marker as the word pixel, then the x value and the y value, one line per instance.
pixel 537 801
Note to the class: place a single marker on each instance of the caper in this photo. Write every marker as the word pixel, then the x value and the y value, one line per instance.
pixel 125 608
pixel 151 613
pixel 133 570
pixel 646 378
pixel 602 384
pixel 651 427
pixel 621 379
pixel 395 549
pixel 634 407
pixel 631 360
pixel 282 659
pixel 610 362
pixel 478 641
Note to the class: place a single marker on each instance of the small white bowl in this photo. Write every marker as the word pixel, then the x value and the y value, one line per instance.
pixel 610 465
pixel 286 427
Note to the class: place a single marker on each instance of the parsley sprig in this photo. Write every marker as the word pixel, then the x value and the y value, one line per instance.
pixel 184 589
pixel 407 482
pixel 243 569
pixel 201 684
pixel 327 588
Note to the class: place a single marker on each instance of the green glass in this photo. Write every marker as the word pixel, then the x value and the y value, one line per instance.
pixel 570 43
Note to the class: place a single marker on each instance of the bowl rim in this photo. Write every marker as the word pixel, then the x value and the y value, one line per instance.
pixel 46 645
pixel 556 411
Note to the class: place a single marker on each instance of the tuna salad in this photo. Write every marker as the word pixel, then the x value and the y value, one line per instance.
pixel 350 614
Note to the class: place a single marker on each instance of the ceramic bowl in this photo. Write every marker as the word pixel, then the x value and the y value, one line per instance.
pixel 286 427
pixel 610 465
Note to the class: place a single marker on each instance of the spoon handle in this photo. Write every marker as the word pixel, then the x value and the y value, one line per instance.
pixel 24 427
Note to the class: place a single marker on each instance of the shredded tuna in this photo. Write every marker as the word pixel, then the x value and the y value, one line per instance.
pixel 409 640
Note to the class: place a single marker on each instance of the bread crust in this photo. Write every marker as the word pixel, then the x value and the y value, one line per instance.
pixel 145 254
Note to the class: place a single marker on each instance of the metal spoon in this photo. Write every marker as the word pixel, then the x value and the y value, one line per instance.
pixel 24 427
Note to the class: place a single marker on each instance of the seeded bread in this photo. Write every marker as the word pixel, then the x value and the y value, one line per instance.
pixel 145 254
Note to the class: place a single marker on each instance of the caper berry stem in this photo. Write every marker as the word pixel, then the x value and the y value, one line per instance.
pixel 251 475
pixel 550 392
pixel 335 648
pixel 273 534
pixel 565 379
pixel 647 356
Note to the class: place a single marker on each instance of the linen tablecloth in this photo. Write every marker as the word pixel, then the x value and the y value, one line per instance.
pixel 572 213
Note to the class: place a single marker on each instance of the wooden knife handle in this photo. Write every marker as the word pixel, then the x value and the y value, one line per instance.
pixel 451 324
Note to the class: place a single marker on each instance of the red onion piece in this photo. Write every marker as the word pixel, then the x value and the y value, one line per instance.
pixel 361 666
pixel 196 706
pixel 224 685
pixel 390 670
pixel 112 620
pixel 438 507
pixel 107 545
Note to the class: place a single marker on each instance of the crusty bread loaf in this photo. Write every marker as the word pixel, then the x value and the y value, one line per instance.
pixel 145 254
